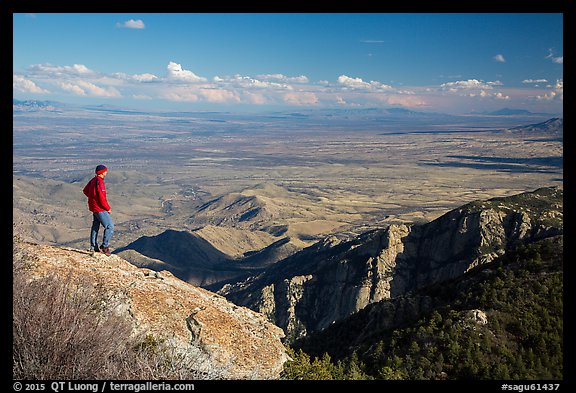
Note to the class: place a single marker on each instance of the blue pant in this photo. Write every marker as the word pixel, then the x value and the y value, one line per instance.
pixel 105 219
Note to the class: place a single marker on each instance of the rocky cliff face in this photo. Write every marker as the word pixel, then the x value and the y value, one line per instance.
pixel 334 279
pixel 234 339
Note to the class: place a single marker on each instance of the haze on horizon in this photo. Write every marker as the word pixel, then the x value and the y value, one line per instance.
pixel 450 63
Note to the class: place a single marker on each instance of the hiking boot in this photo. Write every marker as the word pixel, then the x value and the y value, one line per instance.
pixel 96 249
pixel 105 250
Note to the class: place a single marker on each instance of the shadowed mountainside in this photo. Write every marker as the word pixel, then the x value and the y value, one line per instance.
pixel 195 260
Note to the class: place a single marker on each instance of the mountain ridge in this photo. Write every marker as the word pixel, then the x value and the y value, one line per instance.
pixel 333 279
pixel 486 324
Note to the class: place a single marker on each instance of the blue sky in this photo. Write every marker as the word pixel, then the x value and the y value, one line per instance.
pixel 452 63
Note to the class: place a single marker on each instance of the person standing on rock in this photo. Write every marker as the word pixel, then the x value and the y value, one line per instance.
pixel 95 190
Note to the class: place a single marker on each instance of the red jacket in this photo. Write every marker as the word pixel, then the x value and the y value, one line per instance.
pixel 95 190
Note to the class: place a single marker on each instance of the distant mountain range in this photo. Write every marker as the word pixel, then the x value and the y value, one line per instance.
pixel 37 105
pixel 510 112
pixel 551 126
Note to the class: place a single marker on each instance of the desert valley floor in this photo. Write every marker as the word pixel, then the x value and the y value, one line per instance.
pixel 243 181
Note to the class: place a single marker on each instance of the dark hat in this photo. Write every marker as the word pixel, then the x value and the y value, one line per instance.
pixel 101 169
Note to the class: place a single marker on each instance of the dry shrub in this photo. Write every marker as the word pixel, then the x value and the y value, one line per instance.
pixel 67 329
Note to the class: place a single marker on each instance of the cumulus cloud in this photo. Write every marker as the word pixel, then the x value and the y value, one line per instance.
pixel 485 94
pixel 557 92
pixel 179 95
pixel 75 69
pixel 84 88
pixel 467 84
pixel 146 77
pixel 77 79
pixel 284 78
pixel 340 100
pixel 219 95
pixel 358 83
pixel 72 88
pixel 475 88
pixel 353 82
pixel 197 94
pixel 180 84
pixel 176 72
pixel 26 86
pixel 500 96
pixel 300 98
pixel 247 82
pixel 500 58
pixel 255 97
pixel 131 24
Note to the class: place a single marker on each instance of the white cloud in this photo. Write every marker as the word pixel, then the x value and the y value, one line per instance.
pixel 500 58
pixel 219 95
pixel 146 77
pixel 485 94
pixel 475 88
pixel 556 94
pixel 469 84
pixel 179 95
pixel 559 60
pixel 255 97
pixel 72 88
pixel 247 82
pixel 26 86
pixel 131 24
pixel 75 69
pixel 353 82
pixel 118 77
pixel 554 59
pixel 175 71
pixel 300 98
pixel 534 81
pixel 340 100
pixel 500 96
pixel 179 84
pixel 358 83
pixel 84 88
pixel 284 78
pixel 197 93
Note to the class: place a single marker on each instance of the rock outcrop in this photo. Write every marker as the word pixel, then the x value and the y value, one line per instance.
pixel 236 340
pixel 331 280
